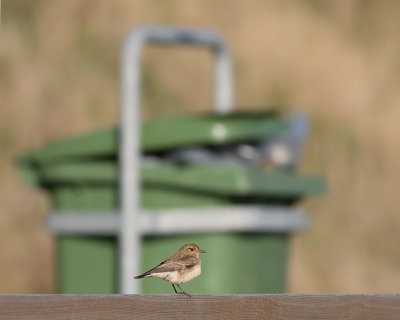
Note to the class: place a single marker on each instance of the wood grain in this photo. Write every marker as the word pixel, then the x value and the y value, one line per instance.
pixel 270 306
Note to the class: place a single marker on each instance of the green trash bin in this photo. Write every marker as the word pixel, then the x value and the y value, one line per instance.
pixel 81 175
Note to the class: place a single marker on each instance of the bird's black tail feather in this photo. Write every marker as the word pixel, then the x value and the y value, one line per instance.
pixel 142 275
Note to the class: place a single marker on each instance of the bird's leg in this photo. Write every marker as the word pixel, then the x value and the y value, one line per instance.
pixel 183 292
pixel 174 288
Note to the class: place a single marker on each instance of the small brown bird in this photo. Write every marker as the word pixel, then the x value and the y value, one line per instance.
pixel 181 267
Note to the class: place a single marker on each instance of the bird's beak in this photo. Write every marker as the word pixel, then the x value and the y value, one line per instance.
pixel 202 251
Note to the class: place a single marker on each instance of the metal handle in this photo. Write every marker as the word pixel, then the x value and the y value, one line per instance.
pixel 129 153
pixel 223 74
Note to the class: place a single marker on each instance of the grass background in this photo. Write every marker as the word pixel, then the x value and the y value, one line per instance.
pixel 337 59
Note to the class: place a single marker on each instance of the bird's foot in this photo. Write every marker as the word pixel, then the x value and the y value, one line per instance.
pixel 186 294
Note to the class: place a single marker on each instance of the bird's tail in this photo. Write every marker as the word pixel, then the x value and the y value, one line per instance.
pixel 142 275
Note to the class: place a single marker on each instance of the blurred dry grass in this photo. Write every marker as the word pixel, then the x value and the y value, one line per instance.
pixel 339 60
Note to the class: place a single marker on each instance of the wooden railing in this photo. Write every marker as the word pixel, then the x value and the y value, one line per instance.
pixel 270 306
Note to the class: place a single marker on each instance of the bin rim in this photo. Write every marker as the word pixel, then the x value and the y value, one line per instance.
pixel 199 129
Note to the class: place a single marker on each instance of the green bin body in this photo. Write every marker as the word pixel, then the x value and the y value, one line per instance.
pixel 81 174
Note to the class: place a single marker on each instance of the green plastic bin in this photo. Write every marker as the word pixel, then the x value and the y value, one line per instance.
pixel 81 174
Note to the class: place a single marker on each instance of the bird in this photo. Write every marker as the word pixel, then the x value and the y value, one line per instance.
pixel 181 267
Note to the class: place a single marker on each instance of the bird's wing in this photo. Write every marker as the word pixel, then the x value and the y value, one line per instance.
pixel 171 265
pixel 164 266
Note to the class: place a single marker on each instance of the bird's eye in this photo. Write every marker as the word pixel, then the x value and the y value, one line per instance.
pixel 191 249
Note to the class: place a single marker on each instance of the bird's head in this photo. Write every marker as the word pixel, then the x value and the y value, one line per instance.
pixel 191 249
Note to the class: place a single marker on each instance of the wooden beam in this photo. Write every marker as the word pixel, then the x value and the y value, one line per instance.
pixel 269 306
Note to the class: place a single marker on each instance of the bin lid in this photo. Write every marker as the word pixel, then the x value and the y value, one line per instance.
pixel 218 179
pixel 166 133
pixel 91 158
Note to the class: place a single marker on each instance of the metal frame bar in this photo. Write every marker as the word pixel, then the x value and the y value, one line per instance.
pixel 129 153
pixel 178 221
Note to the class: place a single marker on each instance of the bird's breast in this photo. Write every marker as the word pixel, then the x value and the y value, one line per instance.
pixel 190 274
